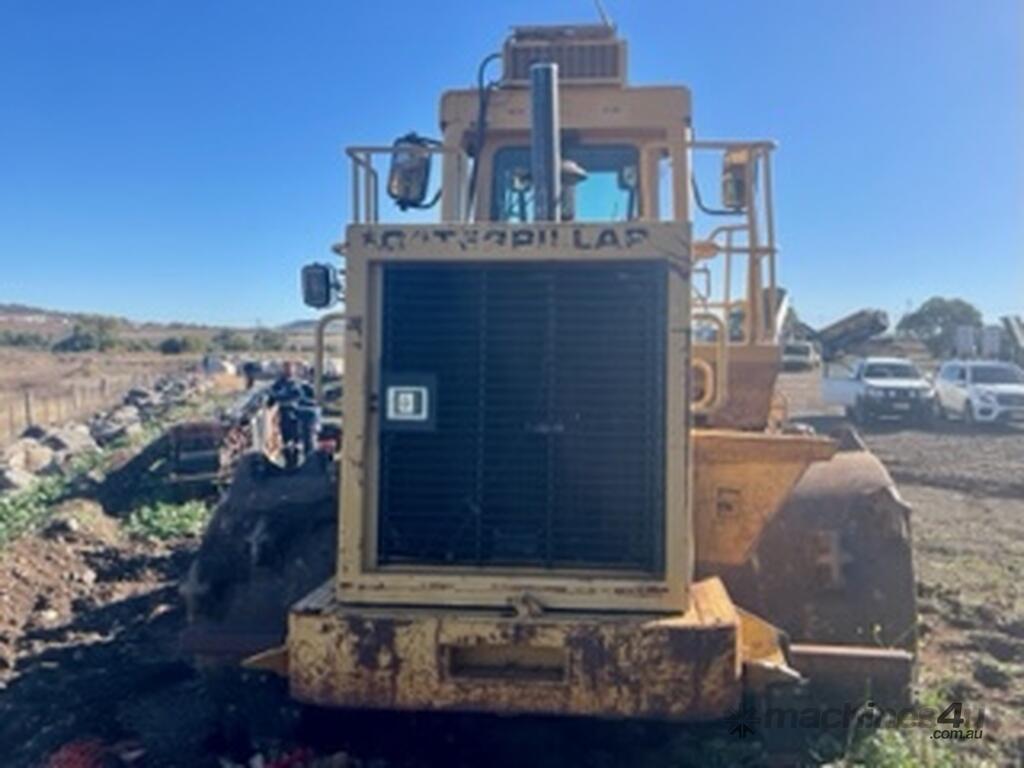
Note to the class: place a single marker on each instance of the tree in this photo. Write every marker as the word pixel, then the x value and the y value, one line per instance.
pixel 268 340
pixel 176 345
pixel 230 341
pixel 91 332
pixel 935 322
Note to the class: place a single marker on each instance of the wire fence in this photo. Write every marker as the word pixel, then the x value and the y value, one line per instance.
pixel 56 405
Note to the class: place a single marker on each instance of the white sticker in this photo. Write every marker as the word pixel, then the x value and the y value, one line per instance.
pixel 407 403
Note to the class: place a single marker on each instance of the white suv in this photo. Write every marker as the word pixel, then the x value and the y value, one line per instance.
pixel 799 356
pixel 980 391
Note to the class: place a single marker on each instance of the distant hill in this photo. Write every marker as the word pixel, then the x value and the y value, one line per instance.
pixel 56 323
pixel 298 326
pixel 37 327
pixel 19 317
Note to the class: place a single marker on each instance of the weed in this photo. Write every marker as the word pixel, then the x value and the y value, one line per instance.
pixel 889 748
pixel 165 520
pixel 25 511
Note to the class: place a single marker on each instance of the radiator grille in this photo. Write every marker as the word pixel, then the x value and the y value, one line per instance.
pixel 548 445
pixel 598 62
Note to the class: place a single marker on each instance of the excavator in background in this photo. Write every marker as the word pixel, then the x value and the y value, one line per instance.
pixel 860 326
pixel 566 485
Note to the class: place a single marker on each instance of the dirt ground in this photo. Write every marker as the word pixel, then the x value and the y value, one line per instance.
pixel 90 618
pixel 88 626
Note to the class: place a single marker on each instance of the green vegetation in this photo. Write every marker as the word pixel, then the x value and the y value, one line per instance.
pixel 24 339
pixel 269 341
pixel 888 748
pixel 935 322
pixel 165 520
pixel 27 510
pixel 230 341
pixel 91 333
pixel 176 345
pixel 909 747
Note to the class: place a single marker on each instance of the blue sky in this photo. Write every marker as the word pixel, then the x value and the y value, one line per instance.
pixel 181 159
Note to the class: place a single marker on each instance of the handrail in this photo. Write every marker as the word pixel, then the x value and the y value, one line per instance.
pixel 717 379
pixel 750 234
pixel 318 356
pixel 365 179
pixel 761 144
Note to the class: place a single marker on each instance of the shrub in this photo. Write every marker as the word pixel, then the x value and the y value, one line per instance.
pixel 230 341
pixel 24 339
pixel 176 345
pixel 90 333
pixel 268 340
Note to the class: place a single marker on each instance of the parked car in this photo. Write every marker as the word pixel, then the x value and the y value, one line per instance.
pixel 799 356
pixel 881 387
pixel 980 391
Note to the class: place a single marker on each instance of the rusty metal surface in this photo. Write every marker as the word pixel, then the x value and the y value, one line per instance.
pixel 684 667
pixel 196 451
pixel 835 565
pixel 765 664
pixel 740 481
pixel 854 674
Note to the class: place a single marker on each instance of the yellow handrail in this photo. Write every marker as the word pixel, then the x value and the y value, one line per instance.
pixel 318 356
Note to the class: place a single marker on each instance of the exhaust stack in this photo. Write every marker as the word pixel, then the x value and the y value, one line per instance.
pixel 545 141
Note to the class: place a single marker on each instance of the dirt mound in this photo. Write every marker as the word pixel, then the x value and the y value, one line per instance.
pixel 87 617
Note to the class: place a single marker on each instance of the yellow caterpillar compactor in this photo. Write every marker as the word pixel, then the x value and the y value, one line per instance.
pixel 566 485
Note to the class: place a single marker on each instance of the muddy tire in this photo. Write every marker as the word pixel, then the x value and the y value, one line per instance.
pixel 835 564
pixel 271 541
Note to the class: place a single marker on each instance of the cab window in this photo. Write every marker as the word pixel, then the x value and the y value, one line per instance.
pixel 600 183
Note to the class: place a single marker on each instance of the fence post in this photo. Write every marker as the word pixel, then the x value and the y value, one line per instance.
pixel 28 407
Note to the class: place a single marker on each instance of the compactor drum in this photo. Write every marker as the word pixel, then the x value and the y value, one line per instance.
pixel 562 488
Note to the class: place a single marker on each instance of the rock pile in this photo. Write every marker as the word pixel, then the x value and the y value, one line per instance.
pixel 48 451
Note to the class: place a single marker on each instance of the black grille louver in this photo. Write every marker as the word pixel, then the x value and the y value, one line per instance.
pixel 590 61
pixel 548 445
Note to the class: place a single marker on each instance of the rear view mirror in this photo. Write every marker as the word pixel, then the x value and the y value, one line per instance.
pixel 735 163
pixel 319 285
pixel 409 176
